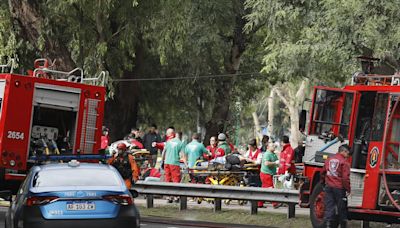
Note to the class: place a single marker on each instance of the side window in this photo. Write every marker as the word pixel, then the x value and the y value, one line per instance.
pixel 379 117
pixel 332 112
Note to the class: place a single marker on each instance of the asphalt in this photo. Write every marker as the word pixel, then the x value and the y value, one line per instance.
pixel 2 215
pixel 158 222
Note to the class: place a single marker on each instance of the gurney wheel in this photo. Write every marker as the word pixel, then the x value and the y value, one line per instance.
pixel 227 202
pixel 242 202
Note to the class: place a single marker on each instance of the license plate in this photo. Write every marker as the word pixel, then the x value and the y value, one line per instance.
pixel 81 206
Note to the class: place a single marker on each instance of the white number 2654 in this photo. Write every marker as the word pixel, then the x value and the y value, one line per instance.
pixel 15 135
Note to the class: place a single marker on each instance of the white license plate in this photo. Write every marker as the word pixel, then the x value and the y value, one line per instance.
pixel 81 206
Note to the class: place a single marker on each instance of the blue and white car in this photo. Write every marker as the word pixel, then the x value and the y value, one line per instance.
pixel 73 195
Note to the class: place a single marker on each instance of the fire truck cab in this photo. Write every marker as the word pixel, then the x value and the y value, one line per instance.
pixel 47 112
pixel 366 115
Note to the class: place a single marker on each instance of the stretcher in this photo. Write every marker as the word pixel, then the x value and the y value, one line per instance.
pixel 213 174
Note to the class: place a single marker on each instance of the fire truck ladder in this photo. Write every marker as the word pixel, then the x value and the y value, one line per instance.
pixel 89 125
pixel 10 65
pixel 376 79
pixel 42 67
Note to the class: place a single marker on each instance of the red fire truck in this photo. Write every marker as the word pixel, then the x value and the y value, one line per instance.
pixel 366 115
pixel 47 112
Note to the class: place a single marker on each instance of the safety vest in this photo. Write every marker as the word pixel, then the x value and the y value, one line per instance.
pixel 123 166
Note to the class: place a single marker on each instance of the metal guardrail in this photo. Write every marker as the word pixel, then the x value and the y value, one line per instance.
pixel 218 192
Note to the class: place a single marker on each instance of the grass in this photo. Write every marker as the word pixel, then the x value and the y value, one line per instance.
pixel 227 216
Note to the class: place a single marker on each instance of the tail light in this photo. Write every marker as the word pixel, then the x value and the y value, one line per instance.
pixel 40 200
pixel 119 199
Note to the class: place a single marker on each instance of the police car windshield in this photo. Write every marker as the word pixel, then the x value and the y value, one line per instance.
pixel 75 177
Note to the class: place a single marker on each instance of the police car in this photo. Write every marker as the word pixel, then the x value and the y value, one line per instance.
pixel 74 195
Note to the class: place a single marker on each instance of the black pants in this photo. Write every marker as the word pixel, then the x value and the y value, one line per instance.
pixel 335 201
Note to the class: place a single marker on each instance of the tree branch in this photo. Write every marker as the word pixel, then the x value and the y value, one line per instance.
pixel 278 91
pixel 300 93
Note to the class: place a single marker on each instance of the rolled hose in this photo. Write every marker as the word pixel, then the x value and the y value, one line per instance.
pixel 383 158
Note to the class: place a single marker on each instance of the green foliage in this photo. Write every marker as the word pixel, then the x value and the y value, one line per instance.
pixel 320 39
pixel 8 41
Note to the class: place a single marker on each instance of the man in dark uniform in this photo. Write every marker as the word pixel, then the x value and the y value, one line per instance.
pixel 148 140
pixel 336 178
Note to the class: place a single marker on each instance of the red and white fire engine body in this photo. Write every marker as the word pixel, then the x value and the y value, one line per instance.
pixel 366 115
pixel 44 114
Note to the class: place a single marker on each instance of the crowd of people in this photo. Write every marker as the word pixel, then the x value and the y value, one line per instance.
pixel 176 153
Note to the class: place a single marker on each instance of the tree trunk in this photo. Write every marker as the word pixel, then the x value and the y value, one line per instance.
pixel 271 113
pixel 121 112
pixel 294 96
pixel 294 125
pixel 220 112
pixel 29 18
pixel 257 127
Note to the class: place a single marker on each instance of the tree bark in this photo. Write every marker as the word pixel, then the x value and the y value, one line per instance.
pixel 257 127
pixel 121 112
pixel 27 15
pixel 223 98
pixel 293 99
pixel 271 112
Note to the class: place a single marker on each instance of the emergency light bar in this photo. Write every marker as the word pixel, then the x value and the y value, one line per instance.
pixel 70 157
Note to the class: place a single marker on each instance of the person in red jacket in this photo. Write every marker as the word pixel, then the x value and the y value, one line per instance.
pixel 212 148
pixel 286 161
pixel 335 176
pixel 105 138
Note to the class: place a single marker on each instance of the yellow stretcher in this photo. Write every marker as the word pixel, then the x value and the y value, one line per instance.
pixel 223 176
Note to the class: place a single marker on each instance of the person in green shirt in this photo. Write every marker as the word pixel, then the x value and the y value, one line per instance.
pixel 171 158
pixel 194 151
pixel 268 169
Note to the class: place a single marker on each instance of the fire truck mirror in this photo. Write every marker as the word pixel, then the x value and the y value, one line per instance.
pixel 302 120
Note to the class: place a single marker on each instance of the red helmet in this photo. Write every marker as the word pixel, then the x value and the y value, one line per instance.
pixel 121 146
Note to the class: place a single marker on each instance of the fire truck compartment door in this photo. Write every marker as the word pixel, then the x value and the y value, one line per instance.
pixel 57 97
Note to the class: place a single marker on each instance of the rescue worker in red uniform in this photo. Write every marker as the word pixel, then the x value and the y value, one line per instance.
pixel 253 155
pixel 125 164
pixel 212 148
pixel 286 161
pixel 170 134
pixel 335 177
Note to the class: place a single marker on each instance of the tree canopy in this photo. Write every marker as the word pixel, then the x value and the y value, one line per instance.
pixel 187 63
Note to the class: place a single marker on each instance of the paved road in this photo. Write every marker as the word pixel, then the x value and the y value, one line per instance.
pixel 148 223
pixel 2 214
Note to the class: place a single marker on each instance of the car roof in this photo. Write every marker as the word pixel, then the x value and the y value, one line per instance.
pixel 81 166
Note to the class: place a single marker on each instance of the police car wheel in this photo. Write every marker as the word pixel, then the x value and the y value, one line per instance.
pixel 317 207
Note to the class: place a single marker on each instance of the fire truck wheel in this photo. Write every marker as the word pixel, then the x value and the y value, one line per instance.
pixel 317 206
